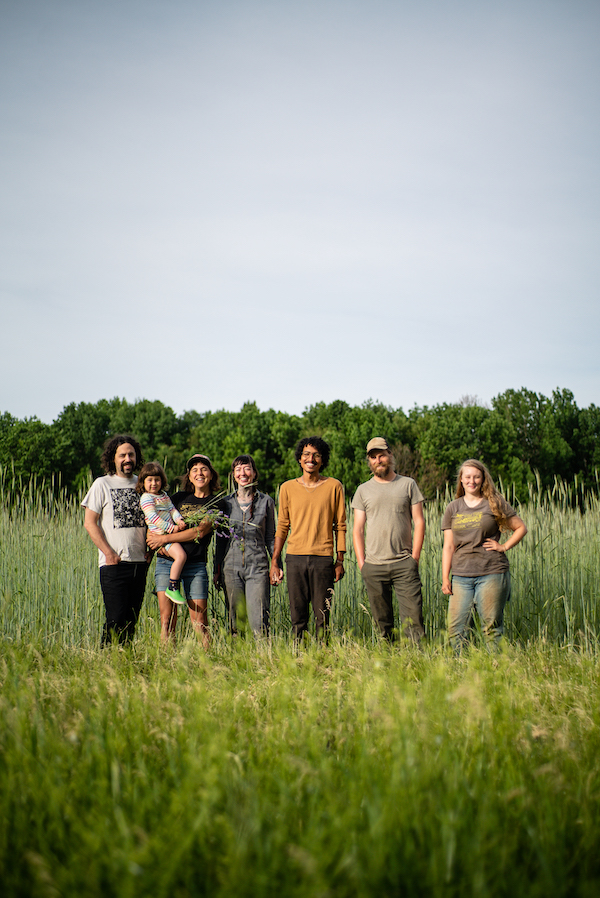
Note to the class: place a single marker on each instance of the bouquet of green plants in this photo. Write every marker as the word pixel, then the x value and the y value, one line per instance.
pixel 220 522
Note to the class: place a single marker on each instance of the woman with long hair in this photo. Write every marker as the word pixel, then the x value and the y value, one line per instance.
pixel 199 484
pixel 245 565
pixel 472 525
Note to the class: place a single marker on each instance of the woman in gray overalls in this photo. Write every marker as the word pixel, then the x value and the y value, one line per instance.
pixel 245 567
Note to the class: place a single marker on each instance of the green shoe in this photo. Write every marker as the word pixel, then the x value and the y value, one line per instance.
pixel 175 596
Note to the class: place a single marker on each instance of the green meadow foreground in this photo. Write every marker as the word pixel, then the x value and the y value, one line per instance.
pixel 349 770
pixel 342 771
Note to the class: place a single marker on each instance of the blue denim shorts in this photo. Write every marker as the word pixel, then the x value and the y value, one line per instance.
pixel 194 578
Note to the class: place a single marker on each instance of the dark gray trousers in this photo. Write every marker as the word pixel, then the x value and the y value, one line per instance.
pixel 402 577
pixel 249 595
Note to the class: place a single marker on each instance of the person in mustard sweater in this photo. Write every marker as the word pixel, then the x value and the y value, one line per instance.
pixel 312 510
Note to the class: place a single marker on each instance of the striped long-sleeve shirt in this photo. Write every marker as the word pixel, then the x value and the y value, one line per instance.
pixel 160 513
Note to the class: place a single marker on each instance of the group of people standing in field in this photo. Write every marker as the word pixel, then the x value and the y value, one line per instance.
pixel 129 517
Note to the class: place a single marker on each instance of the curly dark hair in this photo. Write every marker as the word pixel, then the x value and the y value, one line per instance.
pixel 317 443
pixel 151 469
pixel 107 459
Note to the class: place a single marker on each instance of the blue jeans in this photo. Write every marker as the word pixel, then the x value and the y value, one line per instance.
pixel 487 595
pixel 194 578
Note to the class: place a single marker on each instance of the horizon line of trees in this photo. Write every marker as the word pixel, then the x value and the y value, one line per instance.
pixel 522 437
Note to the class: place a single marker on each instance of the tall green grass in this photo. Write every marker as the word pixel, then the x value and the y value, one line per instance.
pixel 49 584
pixel 340 771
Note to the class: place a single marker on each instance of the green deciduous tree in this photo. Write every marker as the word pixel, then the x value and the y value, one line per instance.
pixel 542 429
pixel 28 448
pixel 449 434
pixel 80 431
pixel 588 444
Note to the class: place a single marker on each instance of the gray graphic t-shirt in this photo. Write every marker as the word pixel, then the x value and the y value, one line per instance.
pixel 121 517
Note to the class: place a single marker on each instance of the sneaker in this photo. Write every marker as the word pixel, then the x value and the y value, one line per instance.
pixel 175 596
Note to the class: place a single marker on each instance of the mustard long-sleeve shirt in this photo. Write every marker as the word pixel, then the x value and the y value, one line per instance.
pixel 312 516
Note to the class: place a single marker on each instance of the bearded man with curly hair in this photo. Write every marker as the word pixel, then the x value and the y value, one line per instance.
pixel 115 523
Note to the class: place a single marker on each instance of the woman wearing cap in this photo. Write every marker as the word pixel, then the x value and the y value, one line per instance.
pixel 198 487
pixel 245 567
pixel 472 526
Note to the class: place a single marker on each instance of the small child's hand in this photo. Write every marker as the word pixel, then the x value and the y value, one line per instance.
pixel 181 526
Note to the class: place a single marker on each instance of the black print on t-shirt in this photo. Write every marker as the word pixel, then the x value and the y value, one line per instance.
pixel 127 511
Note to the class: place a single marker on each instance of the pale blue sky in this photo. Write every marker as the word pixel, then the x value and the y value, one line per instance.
pixel 287 202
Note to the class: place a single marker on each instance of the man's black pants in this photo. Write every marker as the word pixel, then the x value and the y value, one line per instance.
pixel 123 586
pixel 310 582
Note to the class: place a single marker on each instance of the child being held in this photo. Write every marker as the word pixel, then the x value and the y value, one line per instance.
pixel 162 517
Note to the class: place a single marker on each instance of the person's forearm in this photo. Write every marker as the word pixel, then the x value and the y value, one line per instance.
pixel 418 538
pixel 98 538
pixel 340 525
pixel 446 563
pixel 516 537
pixel 276 571
pixel 447 556
pixel 340 542
pixel 277 550
pixel 186 536
pixel 358 540
pixel 270 529
pixel 156 540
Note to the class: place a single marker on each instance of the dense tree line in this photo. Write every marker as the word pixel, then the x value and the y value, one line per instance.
pixel 522 434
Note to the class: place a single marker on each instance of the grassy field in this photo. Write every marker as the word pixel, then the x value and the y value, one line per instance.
pixel 341 771
pixel 253 769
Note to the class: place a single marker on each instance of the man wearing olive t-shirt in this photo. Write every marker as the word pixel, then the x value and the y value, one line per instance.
pixel 390 508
